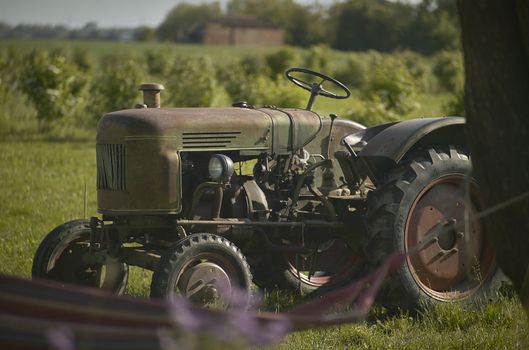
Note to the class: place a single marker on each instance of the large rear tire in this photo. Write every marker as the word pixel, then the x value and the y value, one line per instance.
pixel 422 208
pixel 59 257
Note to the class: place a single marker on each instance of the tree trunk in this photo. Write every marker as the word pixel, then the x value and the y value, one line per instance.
pixel 495 37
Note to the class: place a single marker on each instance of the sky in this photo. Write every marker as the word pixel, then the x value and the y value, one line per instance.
pixel 106 13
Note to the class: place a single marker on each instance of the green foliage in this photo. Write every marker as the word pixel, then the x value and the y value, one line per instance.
pixel 319 58
pixel 371 112
pixel 159 62
pixel 449 71
pixel 53 84
pixel 388 93
pixel 116 85
pixel 144 33
pixel 393 84
pixel 259 90
pixel 277 92
pixel 433 26
pixel 254 64
pixel 448 68
pixel 191 82
pixel 426 27
pixel 419 68
pixel 456 105
pixel 82 59
pixel 366 24
pixel 16 112
pixel 235 77
pixel 281 60
pixel 114 72
pixel 354 69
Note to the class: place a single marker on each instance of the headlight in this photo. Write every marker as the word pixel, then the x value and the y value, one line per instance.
pixel 220 167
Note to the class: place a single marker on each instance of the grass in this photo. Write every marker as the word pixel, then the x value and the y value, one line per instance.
pixel 498 326
pixel 43 185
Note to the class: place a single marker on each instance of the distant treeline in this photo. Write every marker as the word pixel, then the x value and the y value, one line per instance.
pixel 88 32
pixel 425 27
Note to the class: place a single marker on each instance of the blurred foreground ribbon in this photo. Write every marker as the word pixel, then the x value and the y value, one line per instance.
pixel 42 314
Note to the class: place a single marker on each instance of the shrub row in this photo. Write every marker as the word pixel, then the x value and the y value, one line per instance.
pixel 73 87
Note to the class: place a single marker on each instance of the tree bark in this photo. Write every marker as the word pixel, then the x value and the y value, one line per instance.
pixel 495 38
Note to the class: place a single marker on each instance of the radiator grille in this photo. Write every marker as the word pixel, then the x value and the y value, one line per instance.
pixel 110 167
pixel 208 139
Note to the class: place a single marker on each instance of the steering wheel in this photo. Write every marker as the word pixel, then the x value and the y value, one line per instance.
pixel 316 88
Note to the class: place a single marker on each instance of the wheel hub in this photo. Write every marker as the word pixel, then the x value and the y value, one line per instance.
pixel 206 283
pixel 447 237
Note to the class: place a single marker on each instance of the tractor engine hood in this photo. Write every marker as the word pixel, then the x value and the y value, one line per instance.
pixel 276 130
pixel 188 128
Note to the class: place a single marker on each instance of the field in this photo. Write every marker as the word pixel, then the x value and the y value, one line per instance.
pixel 47 179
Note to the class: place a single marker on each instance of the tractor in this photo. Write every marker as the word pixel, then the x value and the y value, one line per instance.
pixel 217 200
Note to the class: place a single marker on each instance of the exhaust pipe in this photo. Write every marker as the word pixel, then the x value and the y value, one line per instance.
pixel 151 95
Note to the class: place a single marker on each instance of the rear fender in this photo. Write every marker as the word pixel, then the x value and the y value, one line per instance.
pixel 390 144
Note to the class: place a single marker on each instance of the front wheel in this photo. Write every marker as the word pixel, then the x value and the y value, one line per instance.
pixel 205 268
pixel 424 208
pixel 59 257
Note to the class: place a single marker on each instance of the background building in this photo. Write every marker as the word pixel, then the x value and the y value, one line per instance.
pixel 238 31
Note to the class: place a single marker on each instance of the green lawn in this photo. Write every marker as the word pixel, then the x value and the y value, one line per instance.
pixel 43 185
pixel 498 326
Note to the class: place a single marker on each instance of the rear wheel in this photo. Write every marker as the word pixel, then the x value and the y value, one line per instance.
pixel 205 268
pixel 331 265
pixel 59 257
pixel 423 209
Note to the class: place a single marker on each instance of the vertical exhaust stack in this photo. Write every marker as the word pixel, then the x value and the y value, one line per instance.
pixel 151 94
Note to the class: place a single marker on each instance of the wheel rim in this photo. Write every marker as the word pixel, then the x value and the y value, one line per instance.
pixel 65 265
pixel 447 260
pixel 333 263
pixel 209 279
